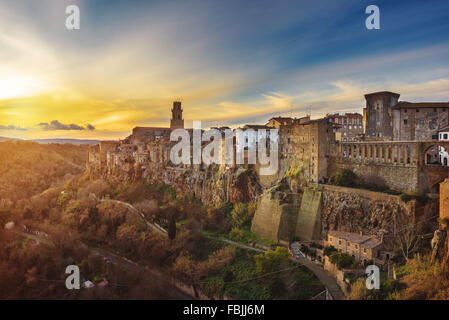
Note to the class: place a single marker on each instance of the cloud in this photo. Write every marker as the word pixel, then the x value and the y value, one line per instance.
pixel 11 127
pixel 56 125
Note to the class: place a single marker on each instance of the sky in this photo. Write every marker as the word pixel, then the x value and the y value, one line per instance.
pixel 229 62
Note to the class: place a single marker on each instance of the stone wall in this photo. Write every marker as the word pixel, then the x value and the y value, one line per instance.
pixel 400 178
pixel 276 214
pixel 373 213
pixel 308 225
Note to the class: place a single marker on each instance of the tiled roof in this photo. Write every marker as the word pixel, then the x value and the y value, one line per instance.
pixel 363 240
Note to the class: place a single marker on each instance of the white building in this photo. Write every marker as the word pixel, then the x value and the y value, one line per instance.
pixel 443 135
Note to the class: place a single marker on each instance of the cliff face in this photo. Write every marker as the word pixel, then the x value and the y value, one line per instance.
pixel 312 212
pixel 356 210
pixel 213 184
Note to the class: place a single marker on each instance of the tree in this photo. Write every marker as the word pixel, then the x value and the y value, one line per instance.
pixel 271 260
pixel 328 250
pixel 172 227
pixel 345 178
pixel 242 214
pixel 407 240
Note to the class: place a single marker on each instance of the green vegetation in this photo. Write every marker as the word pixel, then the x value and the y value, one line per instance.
pixel 406 197
pixel 243 280
pixel 271 260
pixel 345 178
pixel 343 260
pixel 329 250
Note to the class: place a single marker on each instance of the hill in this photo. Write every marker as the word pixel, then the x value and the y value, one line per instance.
pixel 67 141
pixel 28 168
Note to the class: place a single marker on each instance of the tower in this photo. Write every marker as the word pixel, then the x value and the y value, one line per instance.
pixel 379 114
pixel 176 120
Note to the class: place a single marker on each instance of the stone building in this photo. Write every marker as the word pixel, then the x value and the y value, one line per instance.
pixel 419 121
pixel 176 122
pixel 309 144
pixel 359 246
pixel 348 126
pixel 379 114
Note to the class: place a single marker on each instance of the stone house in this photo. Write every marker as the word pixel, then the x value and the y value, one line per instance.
pixel 348 126
pixel 361 247
pixel 419 121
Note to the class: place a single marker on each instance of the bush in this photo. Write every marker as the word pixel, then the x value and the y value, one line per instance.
pixel 406 197
pixel 329 250
pixel 242 215
pixel 343 260
pixel 345 178
pixel 271 260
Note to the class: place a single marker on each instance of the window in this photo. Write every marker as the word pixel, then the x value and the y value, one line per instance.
pixel 364 250
pixel 444 109
pixel 417 110
pixel 360 127
pixel 344 134
pixel 350 127
pixel 405 122
pixel 445 136
pixel 350 121
pixel 361 121
pixel 346 121
pixel 405 110
pixel 434 109
pixel 421 122
pixel 288 140
pixel 339 242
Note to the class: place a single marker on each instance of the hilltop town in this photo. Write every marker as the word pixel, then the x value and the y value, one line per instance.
pixel 339 176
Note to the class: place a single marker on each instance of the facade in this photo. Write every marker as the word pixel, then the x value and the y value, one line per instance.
pixel 379 115
pixel 419 121
pixel 309 144
pixel 443 135
pixel 348 126
pixel 176 121
pixel 361 247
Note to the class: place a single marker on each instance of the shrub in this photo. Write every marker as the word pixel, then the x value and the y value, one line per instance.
pixel 342 260
pixel 345 178
pixel 242 215
pixel 271 260
pixel 328 250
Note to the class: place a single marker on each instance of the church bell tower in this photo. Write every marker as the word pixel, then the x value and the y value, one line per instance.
pixel 176 121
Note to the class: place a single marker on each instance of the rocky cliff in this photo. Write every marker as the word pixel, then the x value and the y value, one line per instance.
pixel 325 207
pixel 213 184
